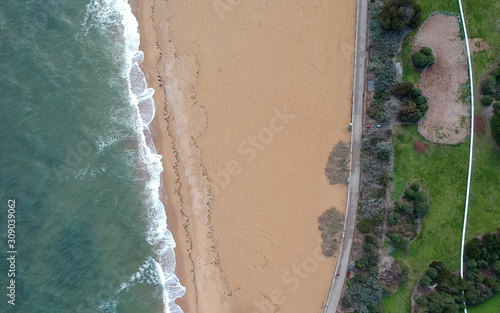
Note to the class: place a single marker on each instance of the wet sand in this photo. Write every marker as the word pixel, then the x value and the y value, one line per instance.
pixel 251 98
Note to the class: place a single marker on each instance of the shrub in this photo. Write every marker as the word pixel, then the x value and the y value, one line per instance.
pixel 366 225
pixel 496 107
pixel 425 281
pixel 416 94
pixel 471 264
pixel 495 267
pixel 409 194
pixel 330 223
pixel 420 197
pixel 370 239
pixel 487 100
pixel 336 168
pixel 489 85
pixel 368 247
pixel 361 291
pixel 382 151
pixel 423 302
pixel 385 179
pixel 399 240
pixel 495 128
pixel 397 15
pixel 404 89
pixel 408 112
pixel 495 73
pixel 415 186
pixel 422 209
pixel 404 206
pixel 420 102
pixel 432 273
pixel 362 263
pixel 423 57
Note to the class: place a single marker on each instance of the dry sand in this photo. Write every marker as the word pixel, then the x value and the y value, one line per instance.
pixel 447 117
pixel 251 98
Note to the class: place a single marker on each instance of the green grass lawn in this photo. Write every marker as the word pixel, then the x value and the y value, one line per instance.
pixel 484 208
pixel 490 306
pixel 442 170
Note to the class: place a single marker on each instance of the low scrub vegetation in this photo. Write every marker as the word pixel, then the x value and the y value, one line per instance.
pixel 444 288
pixel 423 57
pixel 336 169
pixel 398 15
pixel 413 105
pixel 330 224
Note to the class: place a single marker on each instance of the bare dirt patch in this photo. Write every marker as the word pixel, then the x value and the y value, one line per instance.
pixel 446 120
pixel 419 146
pixel 477 44
pixel 479 124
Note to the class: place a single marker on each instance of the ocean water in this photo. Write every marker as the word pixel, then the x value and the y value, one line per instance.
pixel 77 164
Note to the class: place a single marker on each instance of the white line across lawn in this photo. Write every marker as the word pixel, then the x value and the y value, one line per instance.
pixel 471 142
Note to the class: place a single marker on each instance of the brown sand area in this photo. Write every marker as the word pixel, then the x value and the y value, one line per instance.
pixel 419 146
pixel 447 117
pixel 251 98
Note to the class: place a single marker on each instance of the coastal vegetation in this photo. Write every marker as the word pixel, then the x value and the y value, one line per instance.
pixel 413 106
pixel 443 288
pixel 337 170
pixel 423 57
pixel 383 47
pixel 330 224
pixel 440 234
pixel 399 15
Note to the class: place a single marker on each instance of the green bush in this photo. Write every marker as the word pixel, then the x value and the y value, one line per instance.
pixel 409 194
pixel 487 100
pixel 496 107
pixel 383 151
pixel 423 57
pixel 417 93
pixel 423 302
pixel 489 85
pixel 425 281
pixel 370 239
pixel 404 206
pixel 495 267
pixel 415 186
pixel 495 128
pixel 397 15
pixel 366 225
pixel 422 209
pixel 408 112
pixel 432 273
pixel 420 197
pixel 403 89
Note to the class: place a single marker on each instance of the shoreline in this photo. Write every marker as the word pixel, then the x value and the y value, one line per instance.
pixel 160 52
pixel 244 224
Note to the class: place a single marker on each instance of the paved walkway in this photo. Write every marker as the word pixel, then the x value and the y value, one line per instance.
pixel 356 140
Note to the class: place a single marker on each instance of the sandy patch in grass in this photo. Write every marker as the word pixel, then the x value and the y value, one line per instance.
pixel 447 117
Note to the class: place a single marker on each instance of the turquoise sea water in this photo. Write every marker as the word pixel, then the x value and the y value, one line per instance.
pixel 77 158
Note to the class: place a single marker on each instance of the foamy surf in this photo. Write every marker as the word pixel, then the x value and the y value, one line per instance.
pixel 118 14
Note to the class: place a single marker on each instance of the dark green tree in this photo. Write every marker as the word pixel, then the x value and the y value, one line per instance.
pixel 397 15
pixel 489 85
pixel 423 57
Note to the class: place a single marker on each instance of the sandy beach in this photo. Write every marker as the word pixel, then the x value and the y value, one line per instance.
pixel 251 98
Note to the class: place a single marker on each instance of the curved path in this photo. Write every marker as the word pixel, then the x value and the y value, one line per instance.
pixel 354 176
pixel 471 142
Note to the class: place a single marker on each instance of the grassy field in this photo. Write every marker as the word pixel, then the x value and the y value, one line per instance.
pixel 490 306
pixel 428 6
pixel 442 170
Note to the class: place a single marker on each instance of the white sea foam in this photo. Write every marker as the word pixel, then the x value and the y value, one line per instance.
pixel 117 16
